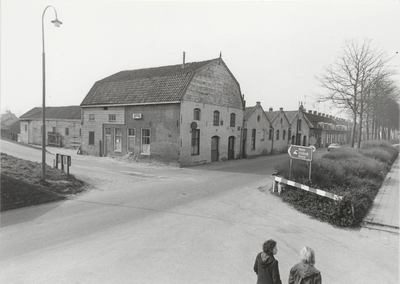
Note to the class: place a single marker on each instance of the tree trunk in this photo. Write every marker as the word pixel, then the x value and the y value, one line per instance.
pixel 359 132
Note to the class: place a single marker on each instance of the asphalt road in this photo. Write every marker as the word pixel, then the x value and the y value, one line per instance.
pixel 156 224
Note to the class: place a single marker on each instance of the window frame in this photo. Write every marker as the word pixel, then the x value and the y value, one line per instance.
pixel 233 119
pixel 91 116
pixel 143 138
pixel 216 118
pixel 197 114
pixel 112 117
pixel 91 137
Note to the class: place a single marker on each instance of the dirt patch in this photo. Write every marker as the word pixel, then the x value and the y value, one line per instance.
pixel 21 183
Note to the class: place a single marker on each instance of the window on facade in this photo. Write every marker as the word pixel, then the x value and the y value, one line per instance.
pixel 91 137
pixel 277 135
pixel 105 108
pixel 66 131
pixel 216 118
pixel 91 117
pixel 146 141
pixel 80 132
pixel 253 139
pixel 131 132
pixel 117 140
pixel 108 131
pixel 26 128
pixel 54 130
pixel 263 134
pixel 111 117
pixel 195 141
pixel 281 120
pixel 270 134
pixel 196 114
pixel 284 135
pixel 233 120
pixel 299 124
pixel 258 118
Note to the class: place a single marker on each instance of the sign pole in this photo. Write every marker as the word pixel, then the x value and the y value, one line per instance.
pixel 290 168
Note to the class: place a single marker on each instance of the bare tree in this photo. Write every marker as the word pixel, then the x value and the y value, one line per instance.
pixel 382 107
pixel 351 78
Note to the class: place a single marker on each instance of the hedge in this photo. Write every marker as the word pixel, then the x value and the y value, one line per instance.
pixel 354 174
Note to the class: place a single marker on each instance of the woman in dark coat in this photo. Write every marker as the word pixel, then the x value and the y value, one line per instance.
pixel 266 266
pixel 304 272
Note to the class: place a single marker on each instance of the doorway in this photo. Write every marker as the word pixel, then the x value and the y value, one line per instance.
pixel 214 149
pixel 231 148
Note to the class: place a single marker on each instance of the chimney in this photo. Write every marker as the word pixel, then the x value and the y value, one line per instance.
pixel 310 111
pixel 258 103
pixel 271 109
pixel 183 64
pixel 315 112
pixel 281 108
pixel 319 113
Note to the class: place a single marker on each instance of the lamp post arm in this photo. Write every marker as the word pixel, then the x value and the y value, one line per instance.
pixel 55 11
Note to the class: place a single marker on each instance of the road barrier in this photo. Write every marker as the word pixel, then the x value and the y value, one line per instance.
pixel 280 180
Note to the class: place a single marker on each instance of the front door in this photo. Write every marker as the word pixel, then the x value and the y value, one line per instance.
pixel 214 149
pixel 231 148
pixel 108 143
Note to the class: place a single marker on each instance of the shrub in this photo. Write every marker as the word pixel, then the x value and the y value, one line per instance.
pixel 377 154
pixel 354 174
pixel 381 145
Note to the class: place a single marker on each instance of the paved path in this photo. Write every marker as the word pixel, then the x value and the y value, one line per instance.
pixel 384 215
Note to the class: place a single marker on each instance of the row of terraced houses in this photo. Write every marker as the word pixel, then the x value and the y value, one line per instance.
pixel 185 114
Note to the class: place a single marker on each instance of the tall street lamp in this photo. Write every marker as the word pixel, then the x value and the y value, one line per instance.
pixel 57 23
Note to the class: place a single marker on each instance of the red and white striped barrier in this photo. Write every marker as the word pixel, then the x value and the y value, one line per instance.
pixel 303 187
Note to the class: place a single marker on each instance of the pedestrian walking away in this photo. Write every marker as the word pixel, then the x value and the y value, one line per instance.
pixel 266 266
pixel 304 272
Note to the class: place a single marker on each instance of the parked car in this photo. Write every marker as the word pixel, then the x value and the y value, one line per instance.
pixel 333 146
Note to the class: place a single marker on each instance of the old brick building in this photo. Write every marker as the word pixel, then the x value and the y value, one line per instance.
pixel 280 130
pixel 255 134
pixel 183 114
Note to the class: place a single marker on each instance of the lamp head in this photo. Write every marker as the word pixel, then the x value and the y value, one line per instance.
pixel 57 23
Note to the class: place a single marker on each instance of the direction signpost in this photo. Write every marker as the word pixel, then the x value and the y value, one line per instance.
pixel 300 153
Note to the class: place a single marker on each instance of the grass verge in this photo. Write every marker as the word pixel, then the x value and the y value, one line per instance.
pixel 21 183
pixel 354 174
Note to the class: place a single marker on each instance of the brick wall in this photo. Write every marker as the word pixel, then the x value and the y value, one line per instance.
pixel 258 121
pixel 212 89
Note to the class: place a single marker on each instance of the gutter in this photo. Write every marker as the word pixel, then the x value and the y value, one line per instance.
pixel 136 104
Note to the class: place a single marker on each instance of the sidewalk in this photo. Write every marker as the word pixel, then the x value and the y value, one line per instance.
pixel 384 215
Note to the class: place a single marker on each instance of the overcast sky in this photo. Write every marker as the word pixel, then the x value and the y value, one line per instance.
pixel 273 48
